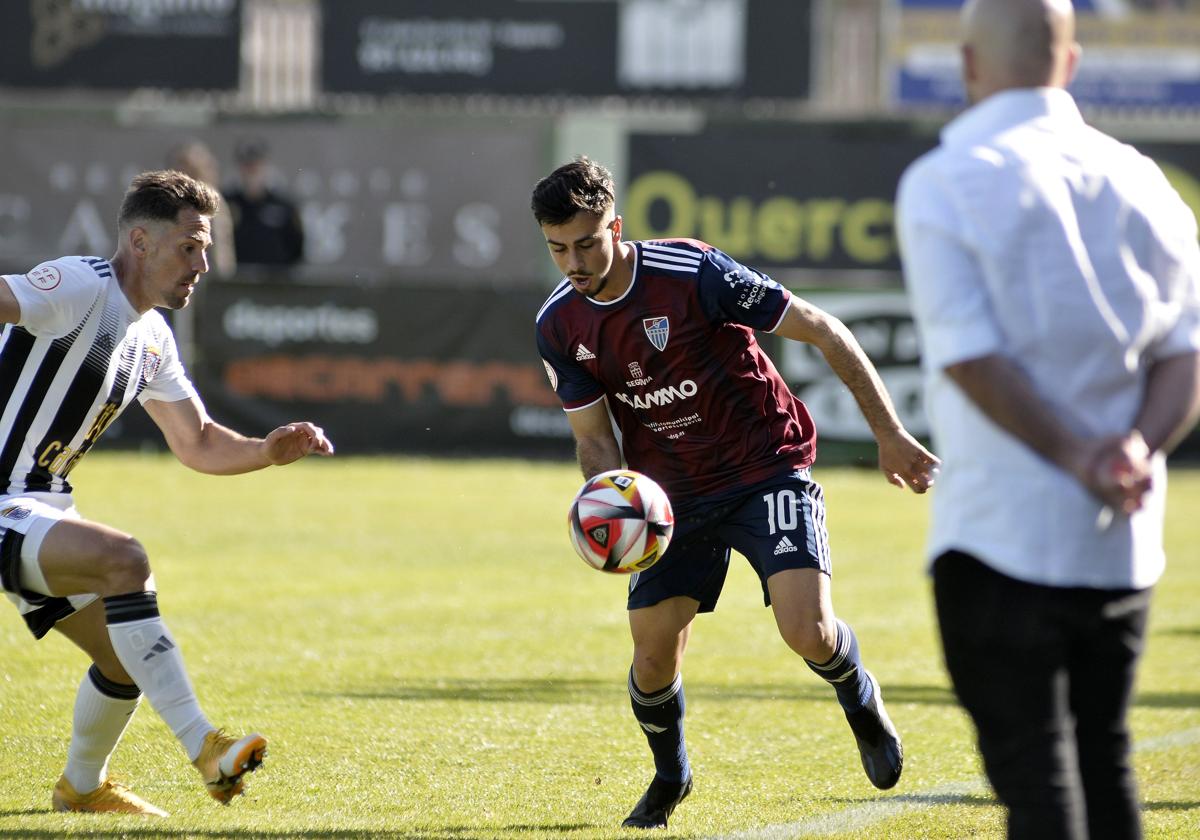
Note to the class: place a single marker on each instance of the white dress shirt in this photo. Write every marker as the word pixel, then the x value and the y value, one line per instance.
pixel 1031 235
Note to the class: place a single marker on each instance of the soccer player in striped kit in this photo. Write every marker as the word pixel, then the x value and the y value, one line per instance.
pixel 657 340
pixel 81 341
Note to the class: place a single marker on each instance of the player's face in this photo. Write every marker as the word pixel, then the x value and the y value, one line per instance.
pixel 175 258
pixel 584 249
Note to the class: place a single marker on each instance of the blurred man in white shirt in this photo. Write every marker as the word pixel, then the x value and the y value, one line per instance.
pixel 1054 278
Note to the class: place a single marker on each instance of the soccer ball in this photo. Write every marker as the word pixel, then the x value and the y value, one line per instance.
pixel 621 521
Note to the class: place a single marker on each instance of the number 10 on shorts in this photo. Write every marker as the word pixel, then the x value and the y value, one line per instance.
pixel 782 510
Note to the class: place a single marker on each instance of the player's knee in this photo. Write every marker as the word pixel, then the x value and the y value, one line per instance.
pixel 653 670
pixel 810 639
pixel 125 567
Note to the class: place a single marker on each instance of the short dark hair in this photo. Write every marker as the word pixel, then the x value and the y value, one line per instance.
pixel 160 195
pixel 578 186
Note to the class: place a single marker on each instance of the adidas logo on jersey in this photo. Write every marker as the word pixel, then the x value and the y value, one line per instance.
pixel 785 546
pixel 583 354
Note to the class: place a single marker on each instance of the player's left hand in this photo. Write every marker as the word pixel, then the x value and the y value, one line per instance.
pixel 906 463
pixel 294 441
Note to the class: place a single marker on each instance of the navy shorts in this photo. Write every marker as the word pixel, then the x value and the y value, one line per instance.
pixel 777 525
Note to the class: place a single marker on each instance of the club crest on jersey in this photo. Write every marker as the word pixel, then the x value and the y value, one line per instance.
pixel 15 512
pixel 657 330
pixel 151 359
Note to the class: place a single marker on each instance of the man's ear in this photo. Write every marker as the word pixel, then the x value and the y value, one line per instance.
pixel 139 241
pixel 1073 57
pixel 615 224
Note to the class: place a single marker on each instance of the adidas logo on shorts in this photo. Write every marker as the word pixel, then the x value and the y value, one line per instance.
pixel 785 546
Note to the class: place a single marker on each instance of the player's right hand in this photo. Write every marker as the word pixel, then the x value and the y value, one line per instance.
pixel 906 463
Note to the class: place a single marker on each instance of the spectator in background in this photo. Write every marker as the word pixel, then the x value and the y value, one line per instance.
pixel 266 224
pixel 194 158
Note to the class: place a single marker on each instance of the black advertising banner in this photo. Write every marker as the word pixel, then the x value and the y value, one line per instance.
pixel 379 201
pixel 385 369
pixel 808 196
pixel 778 49
pixel 469 46
pixel 121 44
pixel 731 48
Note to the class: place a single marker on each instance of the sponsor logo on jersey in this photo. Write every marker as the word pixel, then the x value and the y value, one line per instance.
pixel 553 376
pixel 17 512
pixel 582 354
pixel 662 396
pixel 657 329
pixel 44 277
pixel 750 287
pixel 785 546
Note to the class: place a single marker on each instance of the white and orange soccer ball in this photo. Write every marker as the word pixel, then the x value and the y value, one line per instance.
pixel 621 521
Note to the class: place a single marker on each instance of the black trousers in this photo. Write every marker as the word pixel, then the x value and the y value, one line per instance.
pixel 1046 673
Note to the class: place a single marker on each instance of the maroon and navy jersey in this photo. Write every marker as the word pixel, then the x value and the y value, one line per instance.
pixel 698 405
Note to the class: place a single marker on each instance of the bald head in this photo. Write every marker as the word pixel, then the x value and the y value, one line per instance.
pixel 1017 44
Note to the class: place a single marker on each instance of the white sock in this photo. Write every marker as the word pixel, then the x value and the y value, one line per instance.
pixel 149 654
pixel 100 719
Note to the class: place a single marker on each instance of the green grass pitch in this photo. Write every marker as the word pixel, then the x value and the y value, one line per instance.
pixel 429 659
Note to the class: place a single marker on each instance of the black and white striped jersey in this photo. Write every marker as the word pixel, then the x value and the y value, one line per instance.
pixel 79 355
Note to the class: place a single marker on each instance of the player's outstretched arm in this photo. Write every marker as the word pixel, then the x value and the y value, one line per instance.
pixel 903 461
pixel 208 447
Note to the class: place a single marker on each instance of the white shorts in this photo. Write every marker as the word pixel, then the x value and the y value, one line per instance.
pixel 24 522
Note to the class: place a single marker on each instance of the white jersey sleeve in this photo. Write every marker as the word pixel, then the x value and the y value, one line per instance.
pixel 56 296
pixel 166 379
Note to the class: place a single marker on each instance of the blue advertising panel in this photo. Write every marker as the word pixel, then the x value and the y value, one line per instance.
pixel 1135 54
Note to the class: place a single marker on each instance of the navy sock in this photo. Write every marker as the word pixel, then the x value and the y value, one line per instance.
pixel 661 718
pixel 845 671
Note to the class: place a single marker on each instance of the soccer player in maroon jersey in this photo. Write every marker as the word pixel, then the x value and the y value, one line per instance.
pixel 657 339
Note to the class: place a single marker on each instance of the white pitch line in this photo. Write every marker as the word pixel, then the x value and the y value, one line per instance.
pixel 869 813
